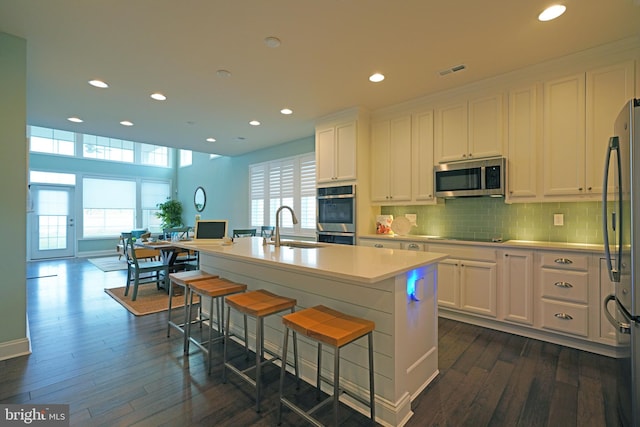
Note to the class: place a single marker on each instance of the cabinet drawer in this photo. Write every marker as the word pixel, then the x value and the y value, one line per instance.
pixel 465 252
pixel 565 317
pixel 413 246
pixel 381 244
pixel 568 261
pixel 565 285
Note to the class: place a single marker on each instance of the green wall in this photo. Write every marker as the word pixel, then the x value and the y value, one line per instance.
pixel 486 218
pixel 226 182
pixel 13 174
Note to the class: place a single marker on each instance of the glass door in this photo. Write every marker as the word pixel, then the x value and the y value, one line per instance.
pixel 52 224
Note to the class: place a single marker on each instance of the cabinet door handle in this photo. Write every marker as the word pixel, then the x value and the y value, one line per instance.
pixel 413 246
pixel 563 316
pixel 563 285
pixel 563 261
pixel 378 245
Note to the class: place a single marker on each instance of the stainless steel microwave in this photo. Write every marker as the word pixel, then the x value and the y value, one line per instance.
pixel 470 178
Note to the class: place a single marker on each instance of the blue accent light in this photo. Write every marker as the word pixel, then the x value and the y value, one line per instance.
pixel 412 278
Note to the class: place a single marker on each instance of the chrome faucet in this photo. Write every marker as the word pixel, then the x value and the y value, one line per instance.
pixel 277 232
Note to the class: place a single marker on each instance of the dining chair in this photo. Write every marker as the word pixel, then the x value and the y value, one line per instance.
pixel 185 259
pixel 142 272
pixel 267 231
pixel 244 232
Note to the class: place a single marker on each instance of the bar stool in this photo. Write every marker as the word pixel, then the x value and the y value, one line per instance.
pixel 336 329
pixel 257 304
pixel 215 289
pixel 183 279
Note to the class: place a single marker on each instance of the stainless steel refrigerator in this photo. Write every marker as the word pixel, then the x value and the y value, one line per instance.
pixel 621 217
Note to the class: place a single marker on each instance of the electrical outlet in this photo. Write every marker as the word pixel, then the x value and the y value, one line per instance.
pixel 558 219
pixel 412 218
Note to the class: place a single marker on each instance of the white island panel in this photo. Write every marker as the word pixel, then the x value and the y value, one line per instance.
pixel 365 282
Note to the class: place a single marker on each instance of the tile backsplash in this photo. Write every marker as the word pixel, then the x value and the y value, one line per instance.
pixel 487 218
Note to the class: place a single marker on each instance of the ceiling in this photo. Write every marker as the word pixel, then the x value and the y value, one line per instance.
pixel 328 50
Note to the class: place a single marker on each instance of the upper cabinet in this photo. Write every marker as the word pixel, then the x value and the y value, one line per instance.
pixel 470 129
pixel 524 134
pixel 391 160
pixel 579 112
pixel 422 147
pixel 336 152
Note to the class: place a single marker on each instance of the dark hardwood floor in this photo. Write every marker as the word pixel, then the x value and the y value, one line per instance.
pixel 115 369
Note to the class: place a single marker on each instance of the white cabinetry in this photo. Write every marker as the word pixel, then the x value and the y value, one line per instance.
pixel 563 287
pixel 381 243
pixel 579 112
pixel 517 286
pixel 422 147
pixel 524 130
pixel 391 160
pixel 336 152
pixel 467 280
pixel 470 129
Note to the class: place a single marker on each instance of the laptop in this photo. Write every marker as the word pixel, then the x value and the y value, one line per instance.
pixel 210 230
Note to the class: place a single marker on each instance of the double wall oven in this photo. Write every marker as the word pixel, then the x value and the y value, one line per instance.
pixel 337 214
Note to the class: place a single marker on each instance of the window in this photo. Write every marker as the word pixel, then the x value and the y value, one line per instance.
pixel 109 207
pixel 100 147
pixel 152 193
pixel 154 155
pixel 185 158
pixel 40 177
pixel 291 182
pixel 52 141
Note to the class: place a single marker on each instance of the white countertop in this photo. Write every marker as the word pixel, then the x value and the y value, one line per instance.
pixel 587 247
pixel 355 263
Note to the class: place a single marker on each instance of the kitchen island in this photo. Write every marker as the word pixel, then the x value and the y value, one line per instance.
pixel 394 288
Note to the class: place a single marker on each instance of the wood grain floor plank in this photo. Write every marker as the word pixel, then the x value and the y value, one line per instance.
pixel 115 369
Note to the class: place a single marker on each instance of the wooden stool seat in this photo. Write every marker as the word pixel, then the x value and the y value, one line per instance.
pixel 328 326
pixel 183 279
pixel 260 303
pixel 257 304
pixel 336 329
pixel 214 288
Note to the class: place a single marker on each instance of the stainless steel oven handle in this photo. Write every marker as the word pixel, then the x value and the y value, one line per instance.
pixel 622 327
pixel 341 196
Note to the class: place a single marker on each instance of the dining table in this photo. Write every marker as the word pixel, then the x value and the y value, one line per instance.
pixel 169 252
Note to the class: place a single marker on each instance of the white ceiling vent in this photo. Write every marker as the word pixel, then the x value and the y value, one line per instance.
pixel 453 69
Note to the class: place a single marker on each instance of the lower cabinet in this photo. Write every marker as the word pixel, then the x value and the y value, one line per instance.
pixel 517 286
pixel 563 286
pixel 467 284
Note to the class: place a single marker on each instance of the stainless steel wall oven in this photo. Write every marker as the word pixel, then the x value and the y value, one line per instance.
pixel 336 214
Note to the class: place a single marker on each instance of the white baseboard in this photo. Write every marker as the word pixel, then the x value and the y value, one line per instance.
pixel 15 348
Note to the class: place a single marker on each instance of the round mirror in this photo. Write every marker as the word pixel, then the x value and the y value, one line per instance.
pixel 200 199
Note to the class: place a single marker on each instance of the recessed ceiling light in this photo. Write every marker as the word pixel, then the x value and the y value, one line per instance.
pixel 211 139
pixel 158 96
pixel 223 73
pixel 272 42
pixel 286 111
pixel 376 77
pixel 254 123
pixel 552 12
pixel 98 83
pixel 75 119
pixel 126 123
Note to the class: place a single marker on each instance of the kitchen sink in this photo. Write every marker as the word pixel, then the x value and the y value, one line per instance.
pixel 302 245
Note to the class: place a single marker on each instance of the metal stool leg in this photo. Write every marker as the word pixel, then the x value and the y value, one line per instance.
pixel 283 369
pixel 336 385
pixel 318 373
pixel 259 354
pixel 372 400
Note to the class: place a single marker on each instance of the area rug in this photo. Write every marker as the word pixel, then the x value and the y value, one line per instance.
pixel 111 263
pixel 149 300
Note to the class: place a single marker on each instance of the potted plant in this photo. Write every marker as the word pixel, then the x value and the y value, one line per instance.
pixel 170 213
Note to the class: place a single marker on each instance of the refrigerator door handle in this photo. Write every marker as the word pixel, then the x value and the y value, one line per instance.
pixel 614 272
pixel 622 327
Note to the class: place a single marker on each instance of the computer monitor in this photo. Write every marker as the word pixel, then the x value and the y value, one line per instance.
pixel 211 229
